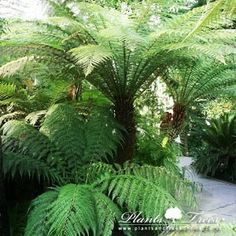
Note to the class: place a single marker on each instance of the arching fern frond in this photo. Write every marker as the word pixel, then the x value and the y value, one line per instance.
pixel 107 214
pixel 138 194
pixel 23 138
pixel 37 219
pixel 89 56
pixel 213 12
pixel 14 66
pixel 180 188
pixel 72 210
pixel 85 209
pixel 15 165
pixel 65 139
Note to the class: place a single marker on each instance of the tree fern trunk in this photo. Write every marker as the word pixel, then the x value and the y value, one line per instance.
pixel 4 221
pixel 124 111
pixel 178 118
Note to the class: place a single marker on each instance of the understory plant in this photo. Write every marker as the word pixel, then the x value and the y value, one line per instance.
pixel 67 139
pixel 89 195
pixel 96 206
pixel 218 157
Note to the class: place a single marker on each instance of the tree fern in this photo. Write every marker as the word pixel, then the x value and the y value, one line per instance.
pixel 190 84
pixel 121 56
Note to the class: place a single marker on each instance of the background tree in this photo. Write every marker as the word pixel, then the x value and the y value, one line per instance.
pixel 195 83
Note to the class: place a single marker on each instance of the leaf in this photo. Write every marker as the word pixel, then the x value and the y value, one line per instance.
pixel 15 66
pixel 90 56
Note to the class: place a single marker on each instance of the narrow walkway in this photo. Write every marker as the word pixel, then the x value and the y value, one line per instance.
pixel 217 198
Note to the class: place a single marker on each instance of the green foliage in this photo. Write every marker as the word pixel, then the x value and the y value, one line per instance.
pixel 198 81
pixel 192 84
pixel 66 141
pixel 12 67
pixel 72 210
pixel 153 148
pixel 215 10
pixel 218 107
pixel 95 208
pixel 119 56
pixel 164 177
pixel 6 90
pixel 218 158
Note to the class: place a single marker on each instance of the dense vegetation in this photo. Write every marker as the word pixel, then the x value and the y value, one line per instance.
pixel 85 135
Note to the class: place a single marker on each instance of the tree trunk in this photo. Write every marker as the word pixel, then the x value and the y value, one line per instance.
pixel 124 111
pixel 178 118
pixel 4 220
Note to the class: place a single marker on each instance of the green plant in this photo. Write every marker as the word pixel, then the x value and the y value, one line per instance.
pixel 67 140
pixel 154 148
pixel 94 208
pixel 120 55
pixel 189 85
pixel 219 139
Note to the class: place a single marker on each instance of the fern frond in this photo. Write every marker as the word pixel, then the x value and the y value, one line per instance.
pixel 98 170
pixel 213 12
pixel 23 138
pixel 107 212
pixel 7 90
pixel 73 212
pixel 15 165
pixel 15 66
pixel 64 127
pixel 90 56
pixel 101 128
pixel 181 189
pixel 138 194
pixel 35 117
pixel 37 219
pixel 11 116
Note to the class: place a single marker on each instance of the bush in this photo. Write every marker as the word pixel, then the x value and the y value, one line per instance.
pixel 218 157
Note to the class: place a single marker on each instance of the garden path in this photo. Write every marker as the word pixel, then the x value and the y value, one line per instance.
pixel 217 198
